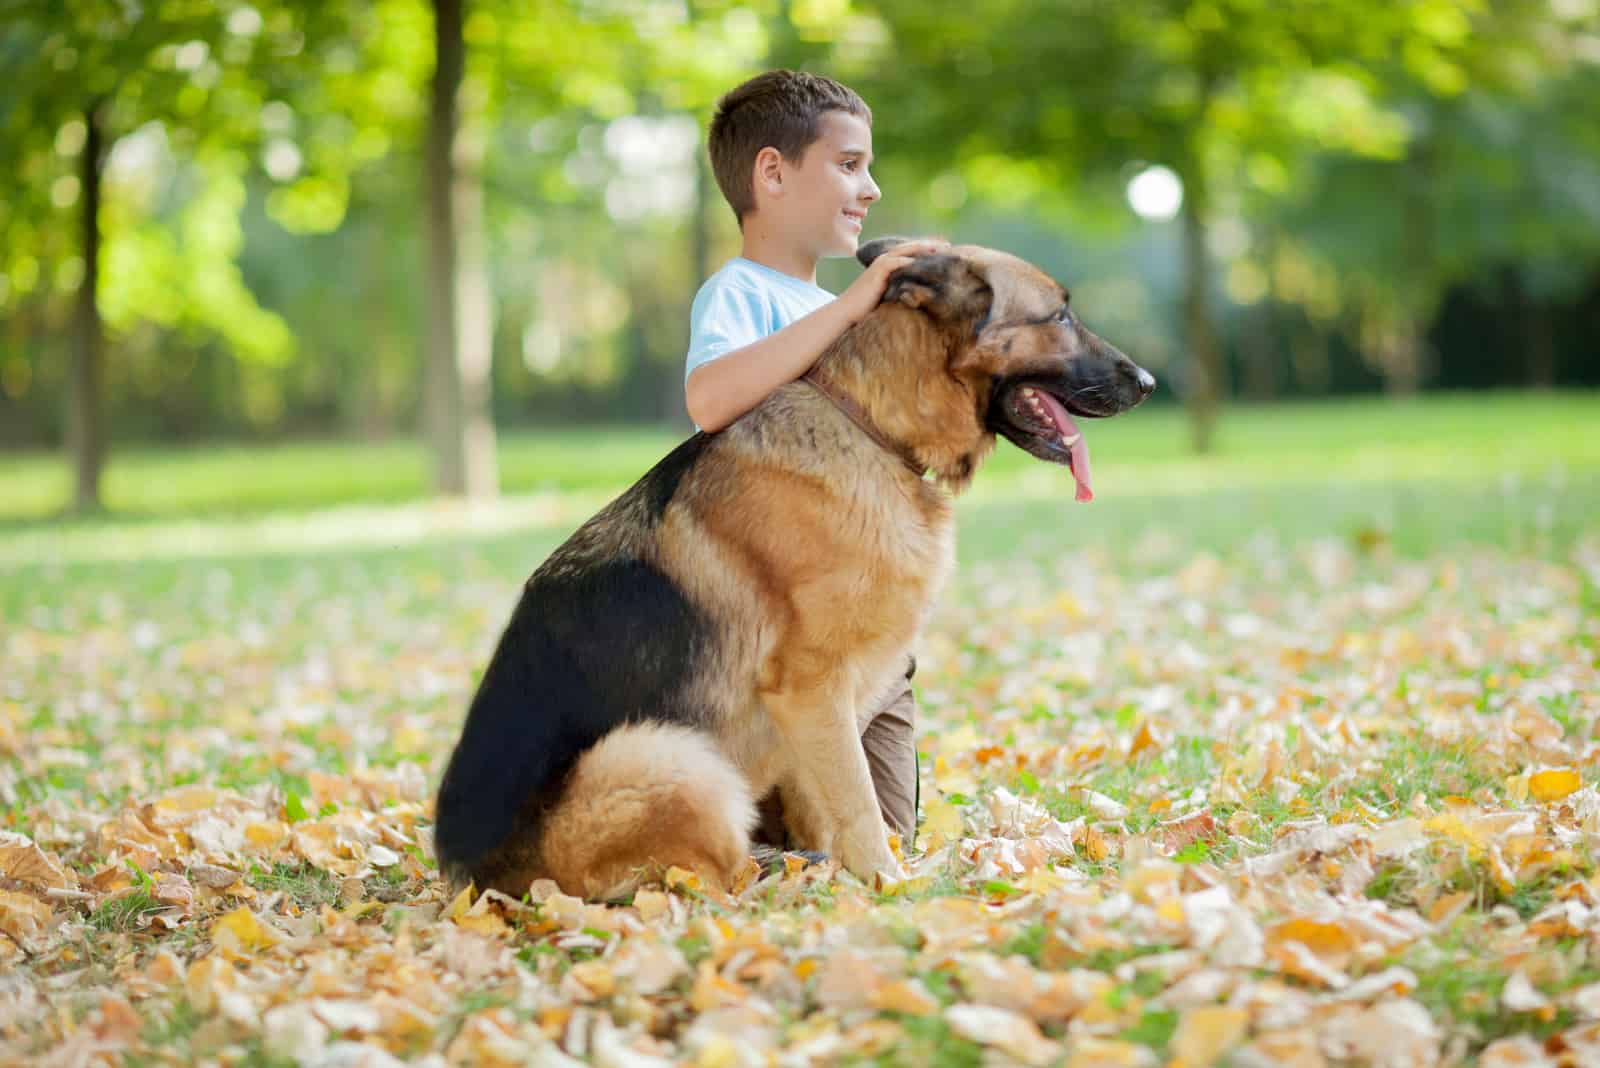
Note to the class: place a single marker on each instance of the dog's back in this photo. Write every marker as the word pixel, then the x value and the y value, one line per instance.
pixel 601 639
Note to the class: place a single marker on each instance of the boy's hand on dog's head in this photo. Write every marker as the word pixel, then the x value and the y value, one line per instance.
pixel 865 292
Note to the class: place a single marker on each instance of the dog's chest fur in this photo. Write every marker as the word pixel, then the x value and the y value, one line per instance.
pixel 827 564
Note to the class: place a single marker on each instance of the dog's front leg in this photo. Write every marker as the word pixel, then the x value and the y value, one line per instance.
pixel 836 811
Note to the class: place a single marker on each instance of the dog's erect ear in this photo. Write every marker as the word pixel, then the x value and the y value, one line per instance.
pixel 923 282
pixel 942 284
pixel 877 247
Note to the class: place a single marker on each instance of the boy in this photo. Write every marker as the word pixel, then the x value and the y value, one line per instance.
pixel 790 152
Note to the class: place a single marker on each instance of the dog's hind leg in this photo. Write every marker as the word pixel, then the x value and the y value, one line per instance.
pixel 644 798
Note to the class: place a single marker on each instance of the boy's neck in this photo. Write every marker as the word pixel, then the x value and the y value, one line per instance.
pixel 762 246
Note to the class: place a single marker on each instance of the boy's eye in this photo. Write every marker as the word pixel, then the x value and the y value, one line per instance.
pixel 850 164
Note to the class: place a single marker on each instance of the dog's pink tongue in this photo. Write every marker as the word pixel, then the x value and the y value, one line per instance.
pixel 1078 451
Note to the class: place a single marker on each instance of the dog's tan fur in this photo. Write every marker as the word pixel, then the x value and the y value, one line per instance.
pixel 819 555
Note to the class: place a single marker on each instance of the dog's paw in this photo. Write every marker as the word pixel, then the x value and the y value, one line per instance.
pixel 888 881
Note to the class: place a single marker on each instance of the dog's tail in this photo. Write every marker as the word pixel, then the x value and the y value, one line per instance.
pixel 644 798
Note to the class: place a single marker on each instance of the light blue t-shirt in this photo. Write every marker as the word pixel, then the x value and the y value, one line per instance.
pixel 743 303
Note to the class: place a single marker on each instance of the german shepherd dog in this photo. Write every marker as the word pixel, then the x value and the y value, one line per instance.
pixel 720 630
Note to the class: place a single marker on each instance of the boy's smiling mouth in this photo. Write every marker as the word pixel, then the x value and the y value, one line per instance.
pixel 857 217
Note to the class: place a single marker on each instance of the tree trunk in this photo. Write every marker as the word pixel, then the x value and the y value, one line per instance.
pixel 1258 345
pixel 677 414
pixel 1541 345
pixel 1200 331
pixel 1529 330
pixel 475 305
pixel 456 398
pixel 86 437
pixel 1405 359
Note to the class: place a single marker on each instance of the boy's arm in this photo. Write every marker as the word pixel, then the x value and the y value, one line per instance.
pixel 723 389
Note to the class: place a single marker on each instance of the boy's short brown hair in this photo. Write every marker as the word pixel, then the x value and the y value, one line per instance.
pixel 781 108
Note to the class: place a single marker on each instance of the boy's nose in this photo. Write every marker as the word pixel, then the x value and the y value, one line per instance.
pixel 872 192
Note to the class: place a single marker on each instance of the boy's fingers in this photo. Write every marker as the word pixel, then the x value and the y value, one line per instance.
pixel 920 246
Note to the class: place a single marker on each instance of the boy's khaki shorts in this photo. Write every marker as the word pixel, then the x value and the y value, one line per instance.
pixel 890 744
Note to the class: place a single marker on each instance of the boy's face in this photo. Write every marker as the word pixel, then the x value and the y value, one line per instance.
pixel 826 195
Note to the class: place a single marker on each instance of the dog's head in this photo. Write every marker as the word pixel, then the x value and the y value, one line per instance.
pixel 1014 346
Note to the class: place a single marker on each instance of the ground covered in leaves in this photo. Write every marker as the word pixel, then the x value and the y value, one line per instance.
pixel 1281 800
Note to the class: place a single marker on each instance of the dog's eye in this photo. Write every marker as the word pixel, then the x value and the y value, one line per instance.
pixel 1064 316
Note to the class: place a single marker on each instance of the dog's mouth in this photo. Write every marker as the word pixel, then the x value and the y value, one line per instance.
pixel 1040 423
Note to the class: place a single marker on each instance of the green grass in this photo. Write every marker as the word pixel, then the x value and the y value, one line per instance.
pixel 1521 471
pixel 124 913
pixel 306 886
pixel 145 482
pixel 230 588
pixel 1470 439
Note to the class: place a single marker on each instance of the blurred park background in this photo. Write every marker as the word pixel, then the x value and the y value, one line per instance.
pixel 285 254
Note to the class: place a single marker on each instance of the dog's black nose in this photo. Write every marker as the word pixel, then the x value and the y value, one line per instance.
pixel 1147 382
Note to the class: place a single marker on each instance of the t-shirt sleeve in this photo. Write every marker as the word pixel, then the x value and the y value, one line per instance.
pixel 724 318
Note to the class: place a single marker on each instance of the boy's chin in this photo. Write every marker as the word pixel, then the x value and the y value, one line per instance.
pixel 842 248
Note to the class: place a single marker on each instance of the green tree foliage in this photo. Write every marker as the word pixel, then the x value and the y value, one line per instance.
pixel 264 267
pixel 1241 98
pixel 102 99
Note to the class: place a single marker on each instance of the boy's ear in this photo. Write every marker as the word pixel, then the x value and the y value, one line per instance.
pixel 768 169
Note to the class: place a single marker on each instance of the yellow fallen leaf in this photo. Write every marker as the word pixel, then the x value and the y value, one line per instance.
pixel 487 922
pixel 652 905
pixel 268 834
pixel 461 902
pixel 1552 784
pixel 1457 831
pixel 712 991
pixel 1170 910
pixel 1324 939
pixel 22 917
pixel 718 1052
pixel 908 996
pixel 682 877
pixel 1091 1052
pixel 116 1022
pixel 1296 960
pixel 187 799
pixel 960 740
pixel 1287 1049
pixel 941 822
pixel 1206 1032
pixel 208 978
pixel 596 977
pixel 1041 881
pixel 745 876
pixel 242 931
pixel 24 861
pixel 951 780
pixel 1094 845
pixel 408 739
pixel 1449 906
pixel 1142 739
